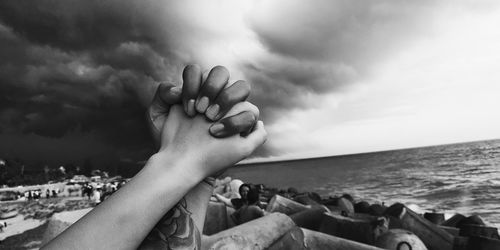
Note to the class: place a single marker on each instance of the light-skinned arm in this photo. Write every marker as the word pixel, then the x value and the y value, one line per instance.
pixel 236 117
pixel 188 155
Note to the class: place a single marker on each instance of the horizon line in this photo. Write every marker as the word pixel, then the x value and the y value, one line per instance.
pixel 274 159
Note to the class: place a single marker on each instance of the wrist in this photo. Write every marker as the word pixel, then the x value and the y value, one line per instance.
pixel 168 163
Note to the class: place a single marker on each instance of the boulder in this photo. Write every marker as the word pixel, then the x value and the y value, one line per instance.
pixel 360 230
pixel 310 218
pixel 436 218
pixel 453 221
pixel 399 239
pixel 216 219
pixel 260 233
pixel 283 205
pixel 479 230
pixel 362 207
pixel 433 237
pixel 376 210
pixel 319 241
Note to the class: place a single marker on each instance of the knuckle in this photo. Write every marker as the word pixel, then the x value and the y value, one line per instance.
pixel 219 69
pixel 265 135
pixel 210 90
pixel 223 99
pixel 247 149
pixel 191 70
pixel 243 85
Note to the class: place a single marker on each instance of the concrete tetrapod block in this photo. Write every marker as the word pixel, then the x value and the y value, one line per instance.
pixel 451 230
pixel 433 237
pixel 453 221
pixel 460 243
pixel 291 240
pixel 305 199
pixel 230 221
pixel 362 207
pixel 216 219
pixel 256 234
pixel 436 218
pixel 482 243
pixel 360 230
pixel 310 218
pixel 345 205
pixel 283 205
pixel 376 209
pixel 478 230
pixel 319 241
pixel 399 239
pixel 472 220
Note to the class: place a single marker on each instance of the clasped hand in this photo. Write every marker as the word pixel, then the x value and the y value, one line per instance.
pixel 207 122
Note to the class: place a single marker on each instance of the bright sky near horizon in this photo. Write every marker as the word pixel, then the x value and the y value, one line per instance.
pixel 440 87
pixel 331 77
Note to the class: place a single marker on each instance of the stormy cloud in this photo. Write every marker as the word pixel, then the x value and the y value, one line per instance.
pixel 72 69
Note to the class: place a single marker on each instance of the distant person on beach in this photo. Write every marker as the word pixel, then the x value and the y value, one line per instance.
pixel 250 210
pixel 236 203
pixel 233 189
pixel 201 130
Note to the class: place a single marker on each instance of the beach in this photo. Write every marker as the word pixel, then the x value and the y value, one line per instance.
pixel 27 228
pixel 295 218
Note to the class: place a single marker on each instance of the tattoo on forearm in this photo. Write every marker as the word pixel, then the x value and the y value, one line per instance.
pixel 176 230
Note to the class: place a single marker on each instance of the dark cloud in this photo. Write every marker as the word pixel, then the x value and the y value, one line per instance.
pixel 84 67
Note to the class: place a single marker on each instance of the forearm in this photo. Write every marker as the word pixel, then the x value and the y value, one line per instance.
pixel 198 199
pixel 124 219
pixel 224 200
pixel 190 212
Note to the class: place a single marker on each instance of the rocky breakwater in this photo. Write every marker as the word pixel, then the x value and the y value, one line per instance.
pixel 306 221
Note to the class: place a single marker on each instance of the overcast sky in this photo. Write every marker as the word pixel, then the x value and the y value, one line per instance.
pixel 330 77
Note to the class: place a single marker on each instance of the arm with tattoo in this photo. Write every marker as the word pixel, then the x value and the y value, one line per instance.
pixel 182 226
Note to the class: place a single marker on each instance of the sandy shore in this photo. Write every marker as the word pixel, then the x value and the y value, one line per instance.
pixel 26 230
pixel 18 225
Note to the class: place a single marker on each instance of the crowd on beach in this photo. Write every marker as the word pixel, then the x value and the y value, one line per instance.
pixel 40 202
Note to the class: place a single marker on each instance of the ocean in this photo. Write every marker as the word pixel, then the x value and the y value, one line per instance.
pixel 456 178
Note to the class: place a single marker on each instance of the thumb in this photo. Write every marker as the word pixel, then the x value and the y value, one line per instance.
pixel 166 95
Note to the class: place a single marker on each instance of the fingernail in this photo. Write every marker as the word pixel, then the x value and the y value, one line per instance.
pixel 190 108
pixel 216 128
pixel 176 90
pixel 218 116
pixel 212 111
pixel 202 104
